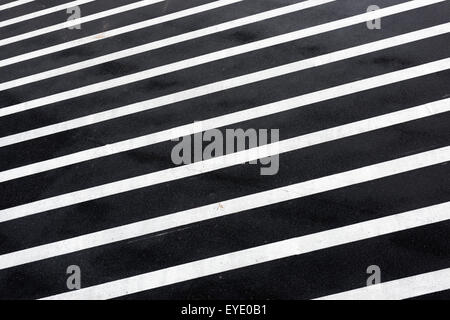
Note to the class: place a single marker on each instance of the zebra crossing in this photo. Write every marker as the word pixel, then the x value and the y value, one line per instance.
pixel 89 118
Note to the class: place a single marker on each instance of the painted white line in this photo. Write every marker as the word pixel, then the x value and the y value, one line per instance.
pixel 155 178
pixel 162 43
pixel 115 32
pixel 43 12
pixel 400 289
pixel 366 84
pixel 271 252
pixel 14 4
pixel 218 86
pixel 231 206
pixel 71 23
pixel 217 122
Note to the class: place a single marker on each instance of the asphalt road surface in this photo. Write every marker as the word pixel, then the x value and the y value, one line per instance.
pixel 88 118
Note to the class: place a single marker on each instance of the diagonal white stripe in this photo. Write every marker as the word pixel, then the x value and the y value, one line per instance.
pixel 154 178
pixel 401 289
pixel 163 43
pixel 115 32
pixel 231 206
pixel 43 12
pixel 222 85
pixel 366 84
pixel 14 4
pixel 221 121
pixel 271 252
pixel 71 23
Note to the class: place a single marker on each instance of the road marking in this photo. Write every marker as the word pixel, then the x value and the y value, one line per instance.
pixel 71 23
pixel 14 4
pixel 207 212
pixel 162 43
pixel 280 250
pixel 43 12
pixel 115 32
pixel 401 289
pixel 213 87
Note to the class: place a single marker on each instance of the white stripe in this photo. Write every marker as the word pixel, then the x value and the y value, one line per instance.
pixel 401 289
pixel 155 178
pixel 405 74
pixel 221 85
pixel 208 124
pixel 71 23
pixel 115 32
pixel 230 206
pixel 14 4
pixel 266 253
pixel 163 43
pixel 43 12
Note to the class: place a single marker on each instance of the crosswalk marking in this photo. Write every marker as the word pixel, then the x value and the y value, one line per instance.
pixel 14 4
pixel 71 23
pixel 400 289
pixel 367 164
pixel 116 32
pixel 257 76
pixel 43 12
pixel 266 253
pixel 163 43
pixel 227 119
pixel 339 180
